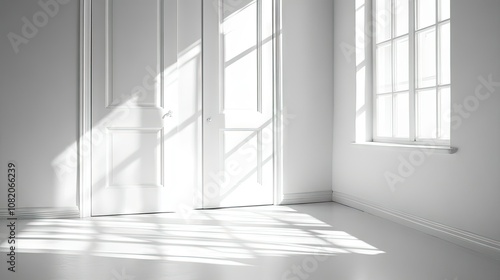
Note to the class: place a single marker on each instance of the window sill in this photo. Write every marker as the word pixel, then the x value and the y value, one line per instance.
pixel 427 148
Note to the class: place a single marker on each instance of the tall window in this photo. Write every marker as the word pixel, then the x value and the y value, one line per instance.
pixel 412 71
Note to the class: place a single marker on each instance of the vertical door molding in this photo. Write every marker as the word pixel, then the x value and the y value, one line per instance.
pixel 278 103
pixel 85 112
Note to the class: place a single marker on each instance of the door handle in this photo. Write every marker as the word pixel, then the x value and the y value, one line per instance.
pixel 167 114
pixel 209 119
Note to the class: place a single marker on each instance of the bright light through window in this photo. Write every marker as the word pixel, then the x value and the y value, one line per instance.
pixel 412 71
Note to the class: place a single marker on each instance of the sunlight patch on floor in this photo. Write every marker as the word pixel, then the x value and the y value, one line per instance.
pixel 228 237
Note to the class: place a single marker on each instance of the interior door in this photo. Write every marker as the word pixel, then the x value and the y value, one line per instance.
pixel 133 106
pixel 238 103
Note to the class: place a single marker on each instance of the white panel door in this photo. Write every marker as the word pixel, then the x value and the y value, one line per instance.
pixel 238 103
pixel 133 106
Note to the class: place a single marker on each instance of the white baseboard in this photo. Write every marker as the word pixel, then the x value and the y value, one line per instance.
pixel 27 213
pixel 460 237
pixel 306 197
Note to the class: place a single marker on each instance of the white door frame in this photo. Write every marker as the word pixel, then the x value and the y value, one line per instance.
pixel 278 102
pixel 85 111
pixel 85 107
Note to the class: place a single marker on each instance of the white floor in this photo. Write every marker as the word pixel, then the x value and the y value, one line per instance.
pixel 310 241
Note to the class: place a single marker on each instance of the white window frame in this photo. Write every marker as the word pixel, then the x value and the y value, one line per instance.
pixel 412 33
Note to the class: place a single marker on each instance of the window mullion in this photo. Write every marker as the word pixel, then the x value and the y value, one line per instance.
pixel 412 78
pixel 393 63
pixel 373 19
pixel 438 76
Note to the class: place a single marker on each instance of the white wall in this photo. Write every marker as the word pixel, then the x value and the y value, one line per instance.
pixel 307 27
pixel 461 190
pixel 38 102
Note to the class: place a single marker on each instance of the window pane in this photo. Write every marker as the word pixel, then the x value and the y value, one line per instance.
pixel 402 65
pixel 384 68
pixel 402 115
pixel 444 9
pixel 383 20
pixel 402 17
pixel 384 115
pixel 444 54
pixel 444 113
pixel 426 114
pixel 426 13
pixel 426 58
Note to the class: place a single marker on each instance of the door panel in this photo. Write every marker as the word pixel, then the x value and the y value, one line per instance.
pixel 238 103
pixel 133 109
pixel 145 168
pixel 133 45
